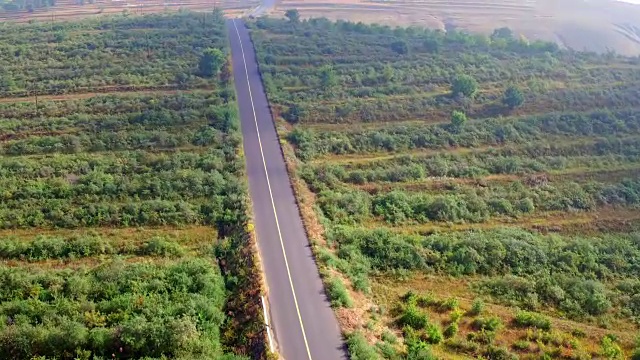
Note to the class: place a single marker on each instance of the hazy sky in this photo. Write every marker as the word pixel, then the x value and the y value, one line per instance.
pixel 631 1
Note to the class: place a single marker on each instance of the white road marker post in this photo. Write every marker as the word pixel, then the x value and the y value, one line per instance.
pixel 268 326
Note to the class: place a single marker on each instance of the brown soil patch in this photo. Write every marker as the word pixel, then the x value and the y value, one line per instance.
pixel 603 219
pixel 107 90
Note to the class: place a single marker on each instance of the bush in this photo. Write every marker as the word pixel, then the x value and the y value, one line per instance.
pixel 460 345
pixel 456 315
pixel 530 319
pixel 338 294
pixel 359 348
pixel 450 331
pixel 610 349
pixel 449 304
pixel 161 247
pixel 513 97
pixel 488 324
pixel 413 317
pixel 389 337
pixel 458 119
pixel 521 345
pixel 433 334
pixel 464 85
pixel 499 353
pixel 482 337
pixel 476 308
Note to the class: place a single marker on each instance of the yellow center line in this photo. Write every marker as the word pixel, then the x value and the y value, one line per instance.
pixel 273 205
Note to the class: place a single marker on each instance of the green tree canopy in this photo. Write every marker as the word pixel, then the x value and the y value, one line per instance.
pixel 328 78
pixel 400 47
pixel 502 33
pixel 293 15
pixel 211 62
pixel 458 118
pixel 465 85
pixel 513 97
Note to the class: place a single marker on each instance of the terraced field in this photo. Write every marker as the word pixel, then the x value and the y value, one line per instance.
pixel 73 9
pixel 600 25
pixel 467 195
pixel 123 222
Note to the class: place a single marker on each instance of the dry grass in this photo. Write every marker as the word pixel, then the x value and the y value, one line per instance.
pixel 107 90
pixel 443 184
pixel 389 290
pixel 66 10
pixel 188 235
pixel 604 219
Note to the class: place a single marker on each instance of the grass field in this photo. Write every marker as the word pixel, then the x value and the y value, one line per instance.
pixel 450 220
pixel 123 220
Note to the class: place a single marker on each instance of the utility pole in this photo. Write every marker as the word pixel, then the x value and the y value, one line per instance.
pixel 36 94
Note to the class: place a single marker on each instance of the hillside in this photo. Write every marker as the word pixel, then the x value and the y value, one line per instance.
pixel 60 10
pixel 468 196
pixel 596 25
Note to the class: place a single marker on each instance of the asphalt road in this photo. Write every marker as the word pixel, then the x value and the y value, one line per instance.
pixel 264 7
pixel 304 324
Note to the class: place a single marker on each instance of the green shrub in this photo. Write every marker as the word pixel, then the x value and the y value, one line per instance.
pixel 462 346
pixel 161 247
pixel 338 293
pixel 433 335
pixel 359 348
pixel 499 353
pixel 450 331
pixel 464 85
pixel 482 337
pixel 388 351
pixel 456 315
pixel 476 308
pixel 413 317
pixel 610 349
pixel 488 324
pixel 449 304
pixel 389 337
pixel 530 319
pixel 521 345
pixel 426 300
pixel 578 333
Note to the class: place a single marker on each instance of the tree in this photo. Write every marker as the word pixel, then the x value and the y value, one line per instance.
pixel 293 15
pixel 295 113
pixel 400 47
pixel 502 33
pixel 465 85
pixel 211 62
pixel 513 97
pixel 432 45
pixel 458 119
pixel 388 73
pixel 6 83
pixel 328 77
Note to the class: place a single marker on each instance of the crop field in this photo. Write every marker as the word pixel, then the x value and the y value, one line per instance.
pixel 48 11
pixel 123 222
pixel 468 196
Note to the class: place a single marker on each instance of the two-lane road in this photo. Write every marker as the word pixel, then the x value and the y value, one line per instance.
pixel 304 324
